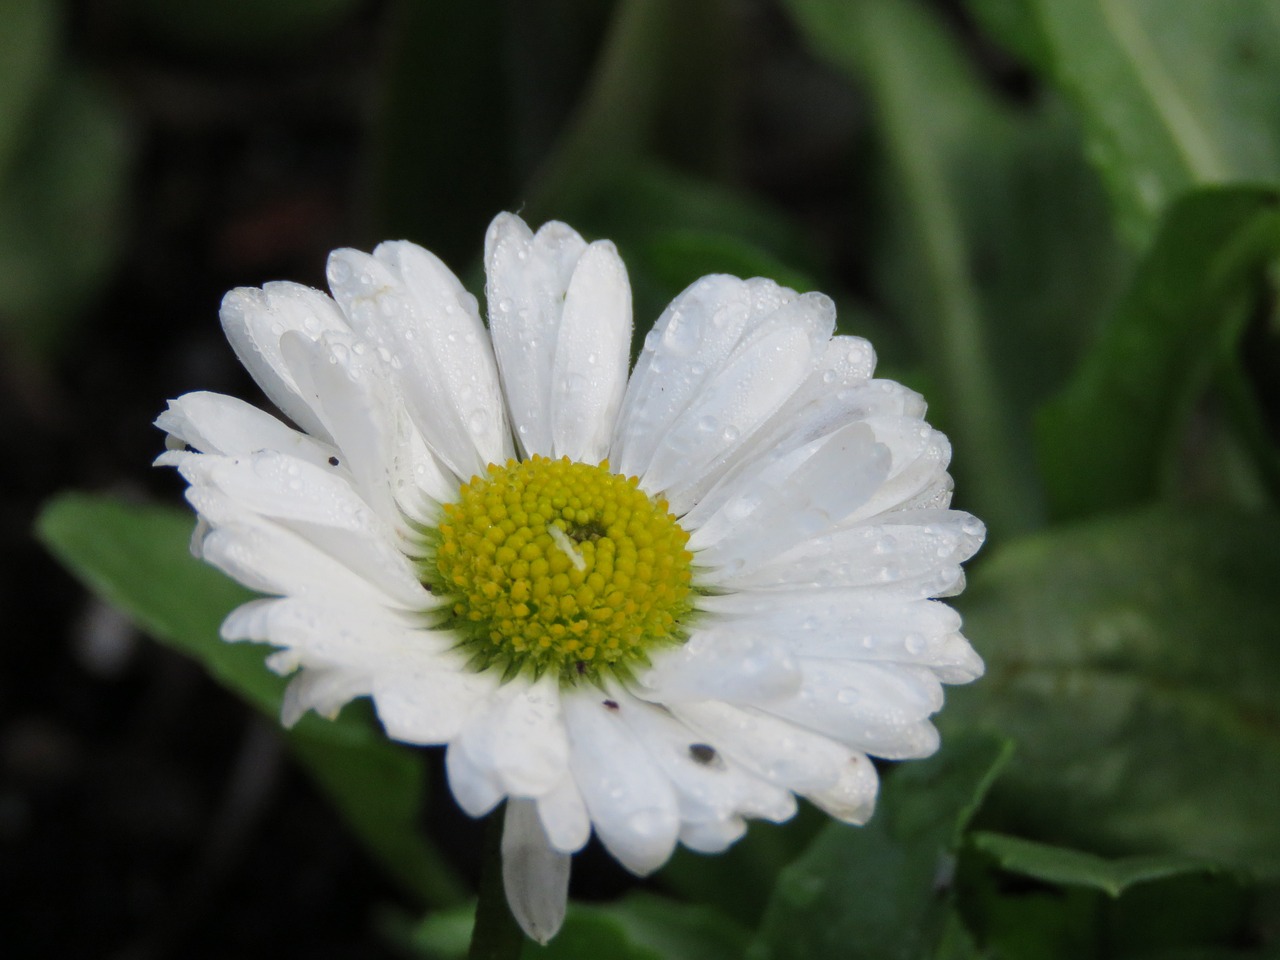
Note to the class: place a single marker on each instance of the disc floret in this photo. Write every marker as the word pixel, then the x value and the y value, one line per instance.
pixel 562 567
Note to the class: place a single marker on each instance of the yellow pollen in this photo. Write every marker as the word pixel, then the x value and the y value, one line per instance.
pixel 559 566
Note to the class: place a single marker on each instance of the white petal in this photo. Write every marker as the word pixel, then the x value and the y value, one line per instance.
pixel 798 500
pixel 215 423
pixel 852 798
pixel 476 787
pixel 592 350
pixel 271 559
pixel 428 706
pixel 519 735
pixel 859 626
pixel 319 507
pixel 255 320
pixel 631 802
pixel 880 710
pixel 775 749
pixel 918 456
pixel 534 875
pixel 355 398
pixel 903 549
pixel 810 415
pixel 527 278
pixel 324 691
pixel 712 836
pixel 407 302
pixel 730 662
pixel 689 344
pixel 564 816
pixel 764 370
pixel 709 786
pixel 331 633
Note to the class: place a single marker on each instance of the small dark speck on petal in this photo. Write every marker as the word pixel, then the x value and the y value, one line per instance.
pixel 333 461
pixel 703 753
pixel 611 704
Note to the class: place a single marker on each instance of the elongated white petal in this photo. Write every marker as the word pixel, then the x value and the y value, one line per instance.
pixel 690 343
pixel 631 802
pixel 333 633
pixel 804 497
pixel 534 874
pixel 214 423
pixel 710 787
pixel 856 625
pixel 429 706
pixel 362 410
pixel 520 736
pixel 323 690
pixel 758 377
pixel 320 508
pixel 721 663
pixel 403 300
pixel 779 751
pixel 564 816
pixel 255 320
pixel 852 798
pixel 878 710
pixel 905 547
pixel 527 278
pixel 589 371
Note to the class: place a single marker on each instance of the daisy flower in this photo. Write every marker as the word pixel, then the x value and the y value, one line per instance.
pixel 652 607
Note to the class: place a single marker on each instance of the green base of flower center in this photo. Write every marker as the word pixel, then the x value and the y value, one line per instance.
pixel 561 567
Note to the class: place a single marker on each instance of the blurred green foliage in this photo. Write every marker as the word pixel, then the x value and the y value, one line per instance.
pixel 65 150
pixel 1070 228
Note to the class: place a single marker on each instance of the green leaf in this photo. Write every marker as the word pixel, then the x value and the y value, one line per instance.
pixel 28 54
pixel 638 927
pixel 1132 906
pixel 738 881
pixel 1134 662
pixel 1112 438
pixel 62 211
pixel 1173 93
pixel 136 558
pixel 1076 868
pixel 873 892
pixel 993 240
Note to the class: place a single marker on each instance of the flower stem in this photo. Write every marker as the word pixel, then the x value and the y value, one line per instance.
pixel 496 935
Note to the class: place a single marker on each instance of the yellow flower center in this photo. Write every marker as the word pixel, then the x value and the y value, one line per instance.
pixel 560 566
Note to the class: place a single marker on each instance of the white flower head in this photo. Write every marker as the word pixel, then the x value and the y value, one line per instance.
pixel 651 606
